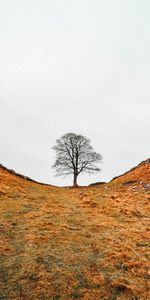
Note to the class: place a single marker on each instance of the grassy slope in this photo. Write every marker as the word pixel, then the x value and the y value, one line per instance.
pixel 139 173
pixel 84 243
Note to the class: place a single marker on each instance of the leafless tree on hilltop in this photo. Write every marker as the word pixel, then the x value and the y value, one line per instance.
pixel 75 155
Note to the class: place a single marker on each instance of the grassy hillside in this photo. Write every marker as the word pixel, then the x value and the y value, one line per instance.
pixel 141 173
pixel 83 243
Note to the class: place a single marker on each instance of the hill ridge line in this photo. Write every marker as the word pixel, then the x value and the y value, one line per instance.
pixel 23 176
pixel 144 162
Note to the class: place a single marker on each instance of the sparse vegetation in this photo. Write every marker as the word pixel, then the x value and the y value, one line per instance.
pixel 87 243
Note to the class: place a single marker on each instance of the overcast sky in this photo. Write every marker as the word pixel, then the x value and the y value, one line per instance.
pixel 74 66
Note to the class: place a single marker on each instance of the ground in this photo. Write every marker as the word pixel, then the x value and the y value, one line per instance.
pixel 74 243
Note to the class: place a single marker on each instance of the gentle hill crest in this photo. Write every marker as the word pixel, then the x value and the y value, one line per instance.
pixel 139 173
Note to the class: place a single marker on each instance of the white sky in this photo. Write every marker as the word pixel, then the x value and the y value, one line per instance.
pixel 74 66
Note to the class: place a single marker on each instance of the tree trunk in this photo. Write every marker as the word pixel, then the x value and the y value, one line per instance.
pixel 75 180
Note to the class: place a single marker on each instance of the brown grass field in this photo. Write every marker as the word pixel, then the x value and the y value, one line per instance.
pixel 75 243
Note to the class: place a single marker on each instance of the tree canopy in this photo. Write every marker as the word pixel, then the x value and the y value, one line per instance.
pixel 75 155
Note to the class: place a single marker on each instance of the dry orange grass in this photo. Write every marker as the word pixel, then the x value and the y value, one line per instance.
pixel 83 243
pixel 139 173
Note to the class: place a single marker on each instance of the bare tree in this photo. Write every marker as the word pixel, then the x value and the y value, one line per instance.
pixel 75 155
